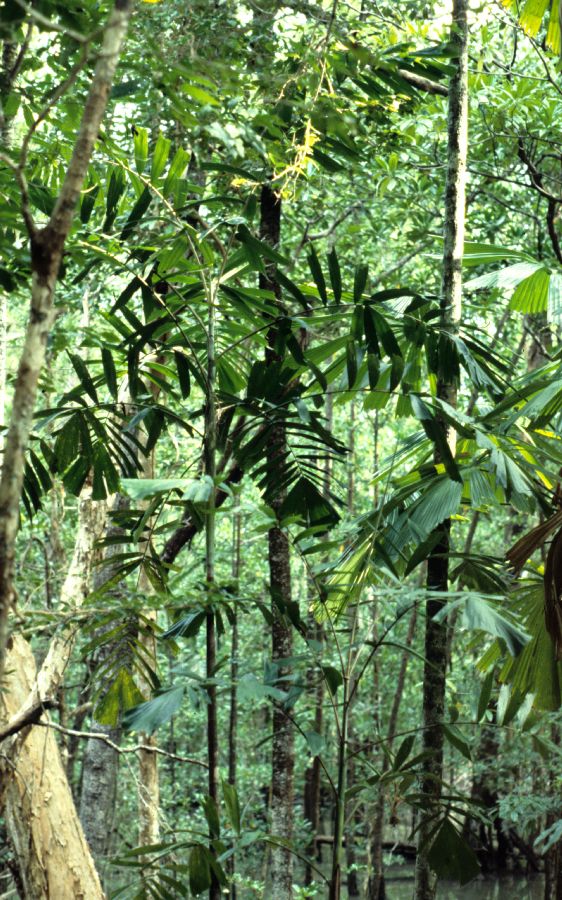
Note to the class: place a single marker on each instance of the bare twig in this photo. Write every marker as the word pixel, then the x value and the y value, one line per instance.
pixel 97 736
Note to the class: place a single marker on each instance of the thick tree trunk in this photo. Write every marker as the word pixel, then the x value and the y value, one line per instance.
pixel 101 762
pixel 279 884
pixel 52 855
pixel 98 793
pixel 47 245
pixel 438 565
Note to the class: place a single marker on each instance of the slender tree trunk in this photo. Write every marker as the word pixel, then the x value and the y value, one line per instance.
pixel 149 783
pixel 313 773
pixel 438 562
pixel 210 451
pixel 376 889
pixel 553 861
pixel 47 246
pixel 233 716
pixel 279 885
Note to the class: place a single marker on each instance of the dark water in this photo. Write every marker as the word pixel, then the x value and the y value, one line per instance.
pixel 508 888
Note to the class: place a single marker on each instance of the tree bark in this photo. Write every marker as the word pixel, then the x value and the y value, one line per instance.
pixel 438 563
pixel 376 889
pixel 47 245
pixel 52 855
pixel 279 883
pixel 101 762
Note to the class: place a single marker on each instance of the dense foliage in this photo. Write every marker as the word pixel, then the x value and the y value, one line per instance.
pixel 257 422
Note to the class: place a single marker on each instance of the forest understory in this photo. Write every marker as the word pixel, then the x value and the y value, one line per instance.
pixel 280 449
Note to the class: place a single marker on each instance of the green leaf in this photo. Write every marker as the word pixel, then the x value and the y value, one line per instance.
pixel 451 857
pixel 183 367
pixel 212 816
pixel 177 169
pixel 335 274
pixel 456 738
pixel 188 626
pixel 109 371
pixel 150 715
pixel 485 694
pixel 136 213
pixel 548 838
pixel 373 370
pixel 84 376
pixel 115 190
pixel 87 203
pixel 199 870
pixel 360 282
pixel 333 678
pixel 123 695
pixel 317 274
pixel 232 804
pixel 144 488
pixel 531 295
pixel 140 141
pixel 351 362
pixel 403 752
pixel 316 742
pixel 160 157
pixel 479 614
pixel 436 433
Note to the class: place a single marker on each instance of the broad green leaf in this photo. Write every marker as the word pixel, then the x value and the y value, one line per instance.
pixel 122 696
pixel 177 169
pixel 531 294
pixel 457 739
pixel 403 751
pixel 232 804
pixel 144 488
pixel 333 678
pixel 212 816
pixel 451 857
pixel 141 147
pixel 199 870
pixel 316 742
pixel 160 157
pixel 150 715
pixel 479 614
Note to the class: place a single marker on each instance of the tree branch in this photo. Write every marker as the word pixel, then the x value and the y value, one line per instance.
pixel 98 736
pixel 30 716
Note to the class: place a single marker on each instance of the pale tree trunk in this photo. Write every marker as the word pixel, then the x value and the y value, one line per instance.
pixel 279 882
pixel 52 855
pixel 47 246
pixel 149 784
pixel 438 563
pixel 100 763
